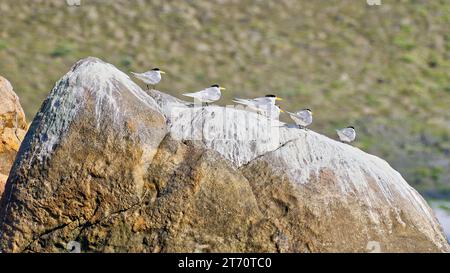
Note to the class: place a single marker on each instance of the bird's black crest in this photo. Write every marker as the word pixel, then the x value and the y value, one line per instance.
pixel 351 127
pixel 307 109
pixel 271 96
pixel 155 69
pixel 215 85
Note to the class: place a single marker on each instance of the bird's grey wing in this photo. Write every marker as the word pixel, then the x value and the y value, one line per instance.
pixel 307 117
pixel 248 103
pixel 152 75
pixel 148 73
pixel 206 93
pixel 261 100
pixel 298 114
pixel 137 75
pixel 200 94
pixel 147 77
pixel 140 76
pixel 347 132
pixel 241 101
pixel 303 114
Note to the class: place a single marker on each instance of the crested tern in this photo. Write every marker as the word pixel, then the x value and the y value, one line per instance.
pixel 347 134
pixel 151 77
pixel 258 102
pixel 207 95
pixel 302 118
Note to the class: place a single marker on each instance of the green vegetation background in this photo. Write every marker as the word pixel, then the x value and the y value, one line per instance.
pixel 384 69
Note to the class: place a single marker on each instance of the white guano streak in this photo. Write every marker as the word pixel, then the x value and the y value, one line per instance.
pixel 103 82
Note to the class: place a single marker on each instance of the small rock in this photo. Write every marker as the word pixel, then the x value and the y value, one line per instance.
pixel 12 128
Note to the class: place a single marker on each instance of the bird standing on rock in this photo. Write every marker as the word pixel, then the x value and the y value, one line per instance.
pixel 302 118
pixel 347 134
pixel 258 102
pixel 263 105
pixel 207 95
pixel 151 77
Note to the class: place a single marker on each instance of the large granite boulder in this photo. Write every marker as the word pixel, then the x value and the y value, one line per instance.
pixel 12 128
pixel 117 169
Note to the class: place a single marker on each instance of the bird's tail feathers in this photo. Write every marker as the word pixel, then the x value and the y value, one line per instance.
pixel 241 101
pixel 238 101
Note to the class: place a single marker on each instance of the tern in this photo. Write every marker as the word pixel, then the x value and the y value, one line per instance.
pixel 258 102
pixel 347 134
pixel 207 95
pixel 302 118
pixel 151 77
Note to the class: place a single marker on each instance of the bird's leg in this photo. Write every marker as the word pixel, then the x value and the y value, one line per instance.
pixel 147 87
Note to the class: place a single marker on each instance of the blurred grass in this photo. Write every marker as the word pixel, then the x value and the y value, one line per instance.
pixel 385 69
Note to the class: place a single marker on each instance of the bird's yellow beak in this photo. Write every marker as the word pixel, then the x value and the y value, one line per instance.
pixel 281 111
pixel 277 98
pixel 222 88
pixel 162 72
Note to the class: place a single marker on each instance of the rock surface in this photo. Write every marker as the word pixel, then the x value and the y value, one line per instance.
pixel 12 128
pixel 120 170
